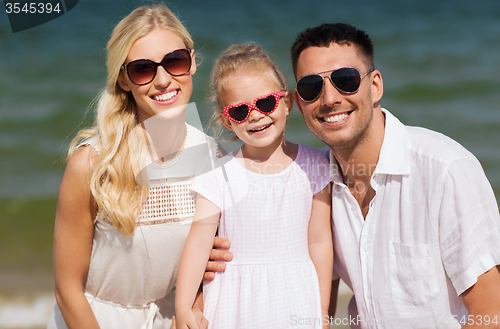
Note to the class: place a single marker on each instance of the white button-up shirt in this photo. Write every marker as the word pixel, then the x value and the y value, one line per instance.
pixel 432 228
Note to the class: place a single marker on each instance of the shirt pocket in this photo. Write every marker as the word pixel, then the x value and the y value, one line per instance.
pixel 412 273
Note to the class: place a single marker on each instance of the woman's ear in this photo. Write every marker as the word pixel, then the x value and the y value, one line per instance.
pixel 288 102
pixel 123 81
pixel 193 63
pixel 225 121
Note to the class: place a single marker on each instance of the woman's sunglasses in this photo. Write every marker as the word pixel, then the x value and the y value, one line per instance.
pixel 143 71
pixel 264 104
pixel 347 80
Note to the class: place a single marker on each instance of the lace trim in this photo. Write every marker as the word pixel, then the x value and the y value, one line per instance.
pixel 168 202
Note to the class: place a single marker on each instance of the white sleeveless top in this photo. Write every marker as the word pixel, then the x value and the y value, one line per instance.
pixel 131 280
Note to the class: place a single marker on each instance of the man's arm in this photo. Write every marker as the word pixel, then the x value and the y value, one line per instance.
pixel 218 255
pixel 333 297
pixel 482 300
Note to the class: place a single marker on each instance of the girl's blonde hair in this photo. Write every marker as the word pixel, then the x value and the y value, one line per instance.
pixel 112 182
pixel 248 57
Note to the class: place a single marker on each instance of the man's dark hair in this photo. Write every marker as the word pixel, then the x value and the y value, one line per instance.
pixel 326 34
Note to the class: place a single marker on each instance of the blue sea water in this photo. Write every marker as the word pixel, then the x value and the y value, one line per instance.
pixel 440 61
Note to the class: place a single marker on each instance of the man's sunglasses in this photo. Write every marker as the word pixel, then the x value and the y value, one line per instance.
pixel 143 71
pixel 347 80
pixel 264 104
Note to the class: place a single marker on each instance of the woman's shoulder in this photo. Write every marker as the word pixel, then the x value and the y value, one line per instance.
pixel 92 141
pixel 82 159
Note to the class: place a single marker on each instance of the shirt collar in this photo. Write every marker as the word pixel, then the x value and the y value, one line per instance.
pixel 393 158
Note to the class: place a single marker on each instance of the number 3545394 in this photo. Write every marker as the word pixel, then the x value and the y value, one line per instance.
pixel 31 8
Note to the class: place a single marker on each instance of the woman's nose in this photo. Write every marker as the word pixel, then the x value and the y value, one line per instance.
pixel 162 78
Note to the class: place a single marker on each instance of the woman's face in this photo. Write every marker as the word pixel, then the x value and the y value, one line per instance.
pixel 166 93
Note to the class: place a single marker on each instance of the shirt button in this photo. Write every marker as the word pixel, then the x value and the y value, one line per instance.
pixel 369 294
pixel 353 207
pixel 366 248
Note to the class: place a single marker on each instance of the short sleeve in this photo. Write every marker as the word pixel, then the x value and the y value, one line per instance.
pixel 469 224
pixel 317 167
pixel 210 184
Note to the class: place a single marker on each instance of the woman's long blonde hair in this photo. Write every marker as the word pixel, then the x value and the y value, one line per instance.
pixel 249 57
pixel 112 183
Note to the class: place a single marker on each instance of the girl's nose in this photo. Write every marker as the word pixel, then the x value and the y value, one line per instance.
pixel 255 115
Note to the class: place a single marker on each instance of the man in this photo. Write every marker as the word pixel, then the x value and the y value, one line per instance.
pixel 415 222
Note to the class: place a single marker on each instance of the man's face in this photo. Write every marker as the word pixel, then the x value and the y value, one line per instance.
pixel 340 120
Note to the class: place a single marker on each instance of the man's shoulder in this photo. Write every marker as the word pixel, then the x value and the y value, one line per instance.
pixel 432 144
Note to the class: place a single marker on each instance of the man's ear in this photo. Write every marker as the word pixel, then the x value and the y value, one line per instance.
pixel 225 121
pixel 297 101
pixel 123 81
pixel 377 86
pixel 288 102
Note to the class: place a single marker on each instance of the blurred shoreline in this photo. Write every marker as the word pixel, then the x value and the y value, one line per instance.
pixel 25 307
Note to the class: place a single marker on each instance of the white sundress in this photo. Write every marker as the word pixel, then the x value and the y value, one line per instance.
pixel 271 281
pixel 131 280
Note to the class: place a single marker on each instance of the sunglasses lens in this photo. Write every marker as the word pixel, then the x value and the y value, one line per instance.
pixel 238 113
pixel 266 105
pixel 177 62
pixel 141 72
pixel 309 87
pixel 346 79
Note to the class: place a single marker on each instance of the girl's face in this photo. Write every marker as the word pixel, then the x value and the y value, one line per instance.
pixel 165 92
pixel 258 130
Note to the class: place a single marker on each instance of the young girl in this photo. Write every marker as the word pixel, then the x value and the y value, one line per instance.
pixel 271 200
pixel 117 242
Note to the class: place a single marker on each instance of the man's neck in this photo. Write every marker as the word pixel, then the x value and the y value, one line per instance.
pixel 358 162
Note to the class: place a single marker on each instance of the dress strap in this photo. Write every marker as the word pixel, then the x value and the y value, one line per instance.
pixel 91 141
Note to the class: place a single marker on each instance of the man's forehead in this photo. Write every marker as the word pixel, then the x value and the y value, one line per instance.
pixel 318 59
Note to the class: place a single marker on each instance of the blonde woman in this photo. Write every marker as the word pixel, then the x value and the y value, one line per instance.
pixel 119 236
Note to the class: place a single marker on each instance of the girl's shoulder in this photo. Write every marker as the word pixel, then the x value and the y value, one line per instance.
pixel 316 166
pixel 309 154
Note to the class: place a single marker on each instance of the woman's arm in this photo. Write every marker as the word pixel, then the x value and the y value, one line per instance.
pixel 194 260
pixel 74 229
pixel 320 244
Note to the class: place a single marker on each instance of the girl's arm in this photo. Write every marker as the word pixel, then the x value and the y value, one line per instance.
pixel 194 260
pixel 74 229
pixel 320 244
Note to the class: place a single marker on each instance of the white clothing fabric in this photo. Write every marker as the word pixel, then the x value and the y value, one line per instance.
pixel 432 228
pixel 271 281
pixel 131 280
